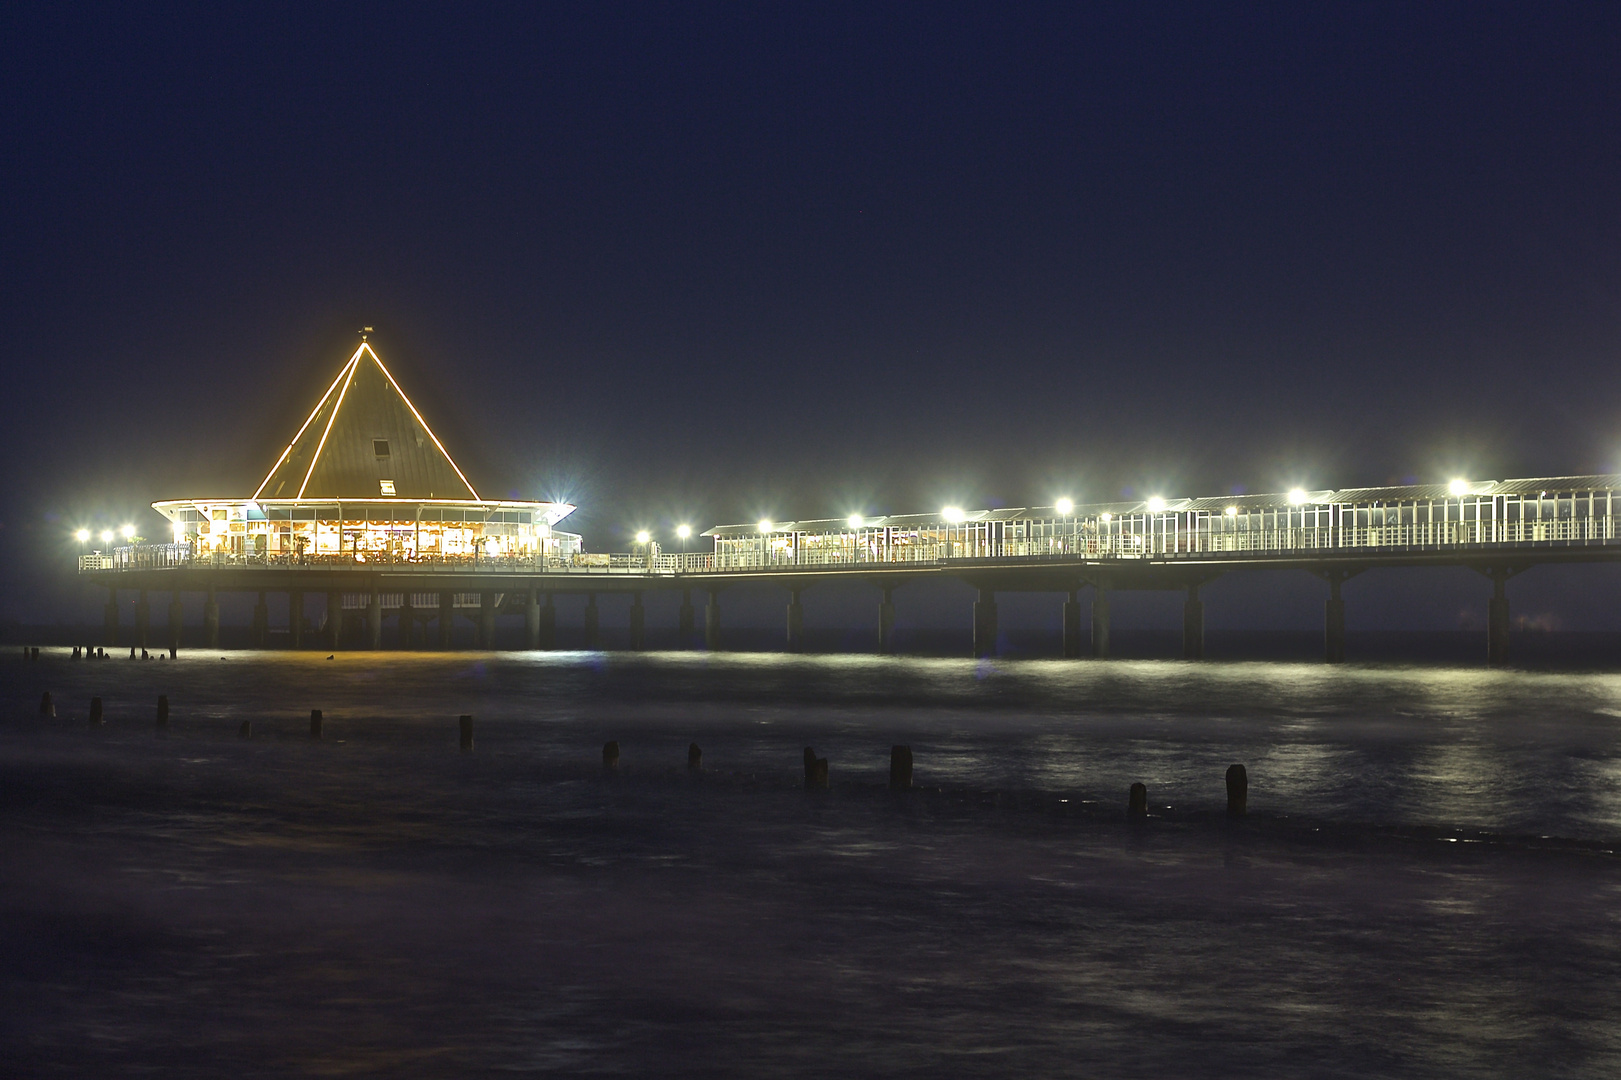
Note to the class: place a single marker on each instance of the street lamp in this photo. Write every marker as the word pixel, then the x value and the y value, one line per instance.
pixel 643 537
pixel 106 536
pixel 952 514
pixel 1065 507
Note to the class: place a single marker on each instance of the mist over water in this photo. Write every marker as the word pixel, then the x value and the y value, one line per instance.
pixel 1426 884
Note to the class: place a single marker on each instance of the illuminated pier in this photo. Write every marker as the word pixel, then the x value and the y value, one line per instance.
pixel 366 507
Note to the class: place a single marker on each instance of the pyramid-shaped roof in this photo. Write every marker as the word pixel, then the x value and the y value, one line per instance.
pixel 364 437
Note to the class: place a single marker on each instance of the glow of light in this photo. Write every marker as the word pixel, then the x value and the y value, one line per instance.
pixel 1459 487
pixel 1156 504
pixel 854 521
pixel 1065 507
pixel 683 531
pixel 765 525
pixel 952 514
pixel 82 535
pixel 128 531
pixel 1232 511
pixel 1107 517
pixel 179 532
pixel 106 536
pixel 643 537
pixel 1296 497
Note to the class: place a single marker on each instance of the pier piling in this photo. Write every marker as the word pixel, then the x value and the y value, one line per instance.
pixel 1137 801
pixel 46 706
pixel 695 756
pixel 466 722
pixel 163 711
pixel 610 754
pixel 95 711
pixel 315 723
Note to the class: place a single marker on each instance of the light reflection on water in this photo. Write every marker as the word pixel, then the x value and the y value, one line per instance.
pixel 380 904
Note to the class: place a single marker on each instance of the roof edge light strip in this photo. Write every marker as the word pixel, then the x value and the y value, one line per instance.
pixel 313 413
pixel 384 368
pixel 353 364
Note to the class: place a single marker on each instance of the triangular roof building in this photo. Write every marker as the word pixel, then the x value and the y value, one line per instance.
pixel 365 440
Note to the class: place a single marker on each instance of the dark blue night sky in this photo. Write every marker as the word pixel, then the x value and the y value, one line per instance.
pixel 713 263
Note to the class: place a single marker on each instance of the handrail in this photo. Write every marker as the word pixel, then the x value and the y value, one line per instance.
pixel 1120 545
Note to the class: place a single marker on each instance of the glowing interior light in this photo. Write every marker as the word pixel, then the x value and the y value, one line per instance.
pixel 128 531
pixel 765 525
pixel 1107 517
pixel 952 514
pixel 106 536
pixel 82 535
pixel 683 531
pixel 1232 511
pixel 1156 504
pixel 179 532
pixel 643 537
pixel 1297 496
pixel 1459 487
pixel 1065 507
pixel 854 521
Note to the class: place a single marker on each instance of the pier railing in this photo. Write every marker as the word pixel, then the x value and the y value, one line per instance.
pixel 828 552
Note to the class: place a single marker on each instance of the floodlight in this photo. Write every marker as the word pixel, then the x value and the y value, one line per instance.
pixel 854 521
pixel 1296 497
pixel 1107 517
pixel 128 531
pixel 106 536
pixel 1232 511
pixel 1065 507
pixel 1156 504
pixel 952 514
pixel 1459 487
pixel 683 531
pixel 82 535
pixel 643 537
pixel 765 525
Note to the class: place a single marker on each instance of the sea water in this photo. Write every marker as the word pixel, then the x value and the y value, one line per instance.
pixel 1425 885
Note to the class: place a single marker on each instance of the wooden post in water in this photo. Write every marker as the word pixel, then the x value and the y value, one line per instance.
pixel 1137 801
pixel 163 710
pixel 695 756
pixel 1238 791
pixel 815 770
pixel 95 711
pixel 610 754
pixel 900 768
pixel 46 706
pixel 315 723
pixel 467 731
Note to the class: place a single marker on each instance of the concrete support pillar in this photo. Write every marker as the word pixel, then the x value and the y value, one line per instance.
pixel 531 619
pixel 407 621
pixel 638 622
pixel 548 623
pixel 1193 626
pixel 109 631
pixel 1497 619
pixel 1072 625
pixel 593 634
pixel 174 619
pixel 143 618
pixel 486 620
pixel 1100 621
pixel 712 621
pixel 334 620
pixel 985 623
pixel 447 618
pixel 796 622
pixel 211 618
pixel 1334 622
pixel 374 620
pixel 261 622
pixel 295 619
pixel 886 621
pixel 685 620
